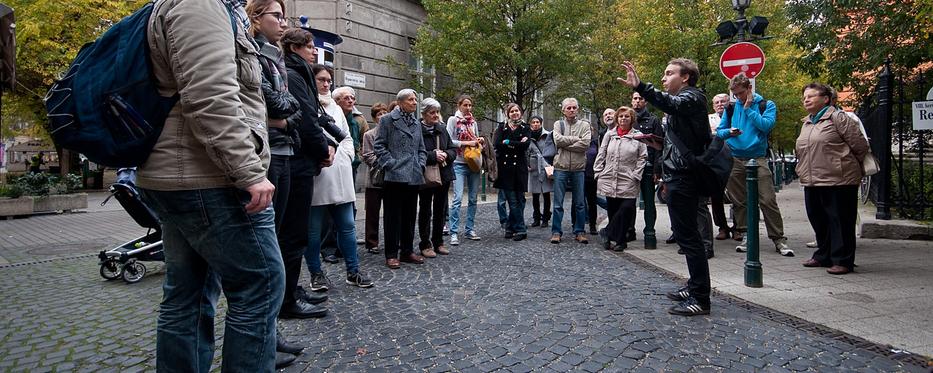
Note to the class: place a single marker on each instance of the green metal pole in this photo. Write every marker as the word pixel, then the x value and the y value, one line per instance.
pixel 483 197
pixel 753 272
pixel 778 175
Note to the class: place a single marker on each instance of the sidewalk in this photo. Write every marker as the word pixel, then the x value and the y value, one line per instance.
pixel 887 299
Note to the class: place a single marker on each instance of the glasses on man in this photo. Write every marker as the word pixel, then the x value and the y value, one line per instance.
pixel 277 15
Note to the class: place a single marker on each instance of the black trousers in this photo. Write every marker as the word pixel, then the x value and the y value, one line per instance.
pixel 832 212
pixel 682 201
pixel 280 176
pixel 719 211
pixel 293 233
pixel 373 204
pixel 537 213
pixel 432 203
pixel 621 218
pixel 589 193
pixel 401 208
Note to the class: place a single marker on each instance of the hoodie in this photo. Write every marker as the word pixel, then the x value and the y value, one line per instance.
pixel 755 127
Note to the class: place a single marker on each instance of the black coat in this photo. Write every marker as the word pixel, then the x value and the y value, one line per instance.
pixel 301 85
pixel 687 119
pixel 432 137
pixel 511 158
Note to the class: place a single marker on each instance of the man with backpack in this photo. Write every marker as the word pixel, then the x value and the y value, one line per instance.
pixel 687 136
pixel 206 178
pixel 745 126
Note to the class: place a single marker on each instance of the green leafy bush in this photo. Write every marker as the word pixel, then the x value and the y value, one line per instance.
pixel 41 184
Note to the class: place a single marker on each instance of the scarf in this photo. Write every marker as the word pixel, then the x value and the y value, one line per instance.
pixel 622 132
pixel 465 127
pixel 536 134
pixel 819 115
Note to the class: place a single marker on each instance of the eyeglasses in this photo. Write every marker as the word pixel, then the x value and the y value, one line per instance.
pixel 278 16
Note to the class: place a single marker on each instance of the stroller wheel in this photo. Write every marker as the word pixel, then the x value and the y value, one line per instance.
pixel 133 272
pixel 111 269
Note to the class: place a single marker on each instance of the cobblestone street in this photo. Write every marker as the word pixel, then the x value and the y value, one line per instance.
pixel 491 305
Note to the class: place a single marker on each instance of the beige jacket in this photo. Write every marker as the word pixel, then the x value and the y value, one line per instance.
pixel 216 134
pixel 829 153
pixel 619 164
pixel 369 156
pixel 572 145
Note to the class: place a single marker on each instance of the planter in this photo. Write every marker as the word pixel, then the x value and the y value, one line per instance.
pixel 60 202
pixel 10 207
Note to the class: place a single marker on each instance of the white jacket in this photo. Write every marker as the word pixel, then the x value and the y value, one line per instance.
pixel 335 183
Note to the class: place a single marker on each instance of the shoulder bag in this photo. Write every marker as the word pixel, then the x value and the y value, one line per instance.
pixel 432 172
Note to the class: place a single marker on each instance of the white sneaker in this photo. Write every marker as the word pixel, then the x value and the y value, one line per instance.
pixel 781 247
pixel 454 240
pixel 743 247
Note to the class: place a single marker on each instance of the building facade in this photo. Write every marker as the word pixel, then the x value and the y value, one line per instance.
pixel 375 57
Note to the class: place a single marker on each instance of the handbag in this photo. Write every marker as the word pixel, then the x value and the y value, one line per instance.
pixel 870 165
pixel 711 169
pixel 432 172
pixel 473 155
pixel 377 177
pixel 549 171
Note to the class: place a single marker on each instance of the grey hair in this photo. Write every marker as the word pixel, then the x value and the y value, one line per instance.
pixel 567 101
pixel 608 109
pixel 720 95
pixel 405 93
pixel 343 91
pixel 428 104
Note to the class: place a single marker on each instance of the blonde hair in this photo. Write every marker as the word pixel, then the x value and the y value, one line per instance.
pixel 256 7
pixel 631 114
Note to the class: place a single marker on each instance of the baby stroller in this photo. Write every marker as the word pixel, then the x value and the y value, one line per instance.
pixel 124 260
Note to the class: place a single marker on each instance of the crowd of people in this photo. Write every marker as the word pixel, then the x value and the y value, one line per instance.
pixel 256 170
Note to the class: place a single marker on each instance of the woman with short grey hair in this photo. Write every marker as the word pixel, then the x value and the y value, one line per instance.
pixel 432 200
pixel 400 154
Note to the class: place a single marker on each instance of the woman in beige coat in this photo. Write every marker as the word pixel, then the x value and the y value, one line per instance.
pixel 830 150
pixel 618 168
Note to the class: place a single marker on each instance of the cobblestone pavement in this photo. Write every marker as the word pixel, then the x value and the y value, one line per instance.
pixel 491 305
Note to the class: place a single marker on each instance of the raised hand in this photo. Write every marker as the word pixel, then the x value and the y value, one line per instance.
pixel 631 77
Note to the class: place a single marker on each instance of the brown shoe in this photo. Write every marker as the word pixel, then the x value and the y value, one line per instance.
pixel 581 238
pixel 555 238
pixel 738 236
pixel 723 234
pixel 413 258
pixel 392 263
pixel 442 250
pixel 812 263
pixel 428 253
pixel 838 270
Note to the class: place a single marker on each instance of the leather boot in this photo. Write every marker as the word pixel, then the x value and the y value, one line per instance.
pixel 282 346
pixel 283 360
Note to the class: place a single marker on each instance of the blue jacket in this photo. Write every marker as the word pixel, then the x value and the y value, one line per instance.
pixel 755 126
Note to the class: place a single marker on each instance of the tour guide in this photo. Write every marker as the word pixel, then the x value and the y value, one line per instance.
pixel 686 107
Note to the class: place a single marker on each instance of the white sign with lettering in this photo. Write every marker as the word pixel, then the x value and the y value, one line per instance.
pixel 923 115
pixel 354 79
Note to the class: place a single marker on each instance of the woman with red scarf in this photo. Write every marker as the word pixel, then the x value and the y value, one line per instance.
pixel 464 132
pixel 618 170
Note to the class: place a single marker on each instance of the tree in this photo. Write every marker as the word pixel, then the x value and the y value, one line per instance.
pixel 49 34
pixel 503 50
pixel 848 41
pixel 652 32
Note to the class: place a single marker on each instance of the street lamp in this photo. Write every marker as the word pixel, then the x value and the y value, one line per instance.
pixel 741 29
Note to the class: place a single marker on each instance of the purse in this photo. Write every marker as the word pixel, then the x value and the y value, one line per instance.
pixel 377 177
pixel 473 155
pixel 549 171
pixel 870 165
pixel 432 172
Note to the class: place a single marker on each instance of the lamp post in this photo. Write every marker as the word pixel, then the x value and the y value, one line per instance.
pixel 741 29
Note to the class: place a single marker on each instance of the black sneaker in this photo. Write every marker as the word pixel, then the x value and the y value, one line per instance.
pixel 357 279
pixel 319 282
pixel 689 307
pixel 509 234
pixel 679 295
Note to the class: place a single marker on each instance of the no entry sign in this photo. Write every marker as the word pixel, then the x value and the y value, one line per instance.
pixel 743 57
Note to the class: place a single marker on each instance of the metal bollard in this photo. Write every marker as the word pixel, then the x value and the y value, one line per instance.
pixel 753 271
pixel 778 175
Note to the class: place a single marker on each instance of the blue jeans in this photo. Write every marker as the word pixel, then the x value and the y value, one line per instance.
pixel 210 244
pixel 573 180
pixel 501 202
pixel 516 219
pixel 345 230
pixel 471 179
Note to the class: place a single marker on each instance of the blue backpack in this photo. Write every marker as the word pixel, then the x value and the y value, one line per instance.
pixel 107 105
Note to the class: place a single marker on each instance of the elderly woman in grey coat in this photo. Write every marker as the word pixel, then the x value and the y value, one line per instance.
pixel 401 155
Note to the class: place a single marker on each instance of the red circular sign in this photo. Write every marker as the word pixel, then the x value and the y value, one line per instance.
pixel 743 57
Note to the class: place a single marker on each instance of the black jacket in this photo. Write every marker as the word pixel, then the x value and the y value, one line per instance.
pixel 648 123
pixel 301 85
pixel 280 104
pixel 687 119
pixel 433 136
pixel 512 158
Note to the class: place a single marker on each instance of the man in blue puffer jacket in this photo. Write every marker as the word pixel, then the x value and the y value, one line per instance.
pixel 746 126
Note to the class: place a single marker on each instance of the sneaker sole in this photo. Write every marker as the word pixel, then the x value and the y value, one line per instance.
pixel 313 315
pixel 364 286
pixel 700 313
pixel 321 288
